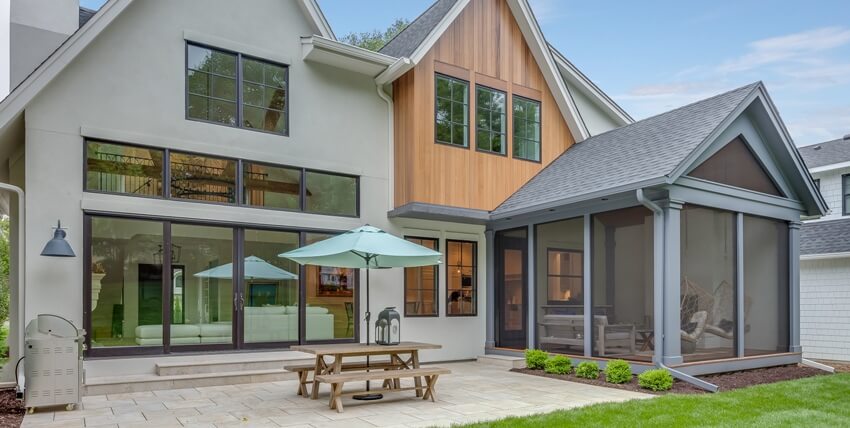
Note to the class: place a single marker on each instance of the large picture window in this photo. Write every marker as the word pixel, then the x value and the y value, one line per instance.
pixel 420 284
pixel 213 80
pixel 141 171
pixel 461 278
pixel 526 121
pixel 452 111
pixel 490 123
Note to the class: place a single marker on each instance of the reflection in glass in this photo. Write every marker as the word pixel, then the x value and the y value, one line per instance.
pixel 271 186
pixel 462 282
pixel 560 279
pixel 211 83
pixel 708 284
pixel 329 294
pixel 203 178
pixel 766 292
pixel 622 284
pixel 420 284
pixel 206 261
pixel 271 287
pixel 126 282
pixel 123 169
pixel 331 194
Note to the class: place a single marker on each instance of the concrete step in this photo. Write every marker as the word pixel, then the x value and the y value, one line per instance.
pixel 154 382
pixel 502 361
pixel 228 365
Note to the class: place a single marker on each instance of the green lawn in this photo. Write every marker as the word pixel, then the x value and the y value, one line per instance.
pixel 822 401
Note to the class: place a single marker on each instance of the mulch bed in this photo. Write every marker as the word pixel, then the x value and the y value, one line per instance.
pixel 11 409
pixel 726 381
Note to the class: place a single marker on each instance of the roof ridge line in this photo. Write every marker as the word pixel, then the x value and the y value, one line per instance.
pixel 418 17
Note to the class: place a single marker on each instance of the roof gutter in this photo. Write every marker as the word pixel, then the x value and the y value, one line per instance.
pixel 658 304
pixel 394 71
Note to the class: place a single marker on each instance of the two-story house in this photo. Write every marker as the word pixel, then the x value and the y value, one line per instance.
pixel 185 145
pixel 825 253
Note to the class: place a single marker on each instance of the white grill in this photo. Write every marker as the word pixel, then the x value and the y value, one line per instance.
pixel 52 362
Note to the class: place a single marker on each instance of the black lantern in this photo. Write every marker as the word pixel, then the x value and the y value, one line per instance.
pixel 388 327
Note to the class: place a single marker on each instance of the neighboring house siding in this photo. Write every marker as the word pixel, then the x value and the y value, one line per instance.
pixel 825 308
pixel 830 188
pixel 485 46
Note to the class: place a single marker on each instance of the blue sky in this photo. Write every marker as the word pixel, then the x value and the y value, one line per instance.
pixel 654 55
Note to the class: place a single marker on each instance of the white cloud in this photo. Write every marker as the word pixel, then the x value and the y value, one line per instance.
pixel 820 125
pixel 791 47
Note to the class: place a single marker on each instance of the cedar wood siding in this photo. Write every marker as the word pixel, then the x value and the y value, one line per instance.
pixel 483 45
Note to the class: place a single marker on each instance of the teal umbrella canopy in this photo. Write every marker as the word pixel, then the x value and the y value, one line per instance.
pixel 365 247
pixel 255 268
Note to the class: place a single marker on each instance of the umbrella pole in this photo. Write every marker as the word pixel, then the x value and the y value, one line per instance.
pixel 368 396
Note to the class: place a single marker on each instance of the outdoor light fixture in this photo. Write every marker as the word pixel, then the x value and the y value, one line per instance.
pixel 58 246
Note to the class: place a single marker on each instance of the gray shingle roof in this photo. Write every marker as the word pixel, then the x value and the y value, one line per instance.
pixel 825 237
pixel 405 42
pixel 648 149
pixel 827 153
pixel 85 15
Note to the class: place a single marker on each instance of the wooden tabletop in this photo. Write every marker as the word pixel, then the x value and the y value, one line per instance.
pixel 363 349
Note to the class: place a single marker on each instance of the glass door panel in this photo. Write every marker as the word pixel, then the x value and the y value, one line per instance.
pixel 269 287
pixel 511 288
pixel 329 297
pixel 203 256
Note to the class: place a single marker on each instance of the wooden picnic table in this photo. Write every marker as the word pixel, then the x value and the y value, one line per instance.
pixel 405 355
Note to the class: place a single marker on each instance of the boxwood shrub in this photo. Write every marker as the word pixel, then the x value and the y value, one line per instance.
pixel 588 370
pixel 559 364
pixel 618 371
pixel 535 359
pixel 656 380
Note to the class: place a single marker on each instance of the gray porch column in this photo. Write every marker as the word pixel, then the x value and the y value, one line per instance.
pixel 489 242
pixel 672 280
pixel 587 289
pixel 794 284
pixel 531 304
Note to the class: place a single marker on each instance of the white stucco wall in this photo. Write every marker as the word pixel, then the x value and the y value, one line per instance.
pixel 825 308
pixel 129 86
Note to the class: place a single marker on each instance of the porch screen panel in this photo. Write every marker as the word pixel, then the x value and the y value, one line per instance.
pixel 766 308
pixel 331 311
pixel 622 289
pixel 271 287
pixel 560 286
pixel 707 305
pixel 202 286
pixel 126 282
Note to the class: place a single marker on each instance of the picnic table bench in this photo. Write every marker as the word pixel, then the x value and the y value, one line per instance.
pixel 390 377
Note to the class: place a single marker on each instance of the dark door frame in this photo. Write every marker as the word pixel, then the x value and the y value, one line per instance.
pixel 503 339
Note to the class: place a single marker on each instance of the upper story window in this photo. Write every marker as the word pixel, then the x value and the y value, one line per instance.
pixel 526 119
pixel 235 90
pixel 452 111
pixel 490 122
pixel 845 194
pixel 136 170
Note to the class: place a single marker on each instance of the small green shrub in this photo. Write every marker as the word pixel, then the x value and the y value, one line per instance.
pixel 618 371
pixel 588 370
pixel 559 364
pixel 656 380
pixel 535 359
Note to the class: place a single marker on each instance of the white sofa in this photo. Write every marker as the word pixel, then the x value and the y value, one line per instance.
pixel 262 324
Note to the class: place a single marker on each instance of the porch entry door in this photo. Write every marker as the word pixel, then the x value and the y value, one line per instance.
pixel 511 288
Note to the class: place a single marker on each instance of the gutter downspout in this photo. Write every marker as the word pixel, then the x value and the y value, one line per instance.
pixel 21 275
pixel 390 149
pixel 658 303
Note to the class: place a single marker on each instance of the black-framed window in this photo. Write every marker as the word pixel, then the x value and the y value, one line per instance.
pixel 420 284
pixel 452 111
pixel 526 120
pixel 490 120
pixel 134 170
pixel 236 90
pixel 845 194
pixel 461 278
pixel 564 276
pixel 131 307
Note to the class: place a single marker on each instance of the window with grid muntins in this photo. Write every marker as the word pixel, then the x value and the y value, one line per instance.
pixel 490 122
pixel 420 284
pixel 235 90
pixel 452 111
pixel 526 128
pixel 845 194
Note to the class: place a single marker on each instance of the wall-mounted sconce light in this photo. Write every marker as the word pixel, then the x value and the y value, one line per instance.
pixel 58 246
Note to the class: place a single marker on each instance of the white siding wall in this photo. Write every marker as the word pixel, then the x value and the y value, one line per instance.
pixel 129 86
pixel 830 188
pixel 825 308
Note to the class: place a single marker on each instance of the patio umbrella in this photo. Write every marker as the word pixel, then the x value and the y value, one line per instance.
pixel 365 247
pixel 255 267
